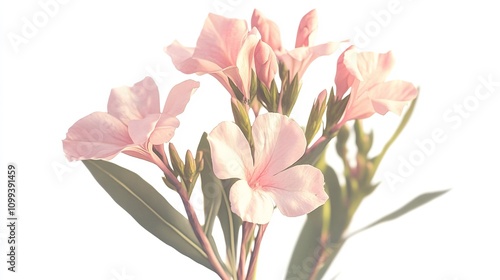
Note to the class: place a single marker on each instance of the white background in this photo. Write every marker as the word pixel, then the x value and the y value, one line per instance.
pixel 69 228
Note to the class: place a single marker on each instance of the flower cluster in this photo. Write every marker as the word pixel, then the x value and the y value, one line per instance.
pixel 265 164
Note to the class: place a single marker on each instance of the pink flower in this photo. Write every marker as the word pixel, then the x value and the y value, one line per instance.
pixel 296 60
pixel 365 73
pixel 133 123
pixel 266 179
pixel 225 49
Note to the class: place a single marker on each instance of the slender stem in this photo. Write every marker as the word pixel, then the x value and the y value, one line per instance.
pixel 248 229
pixel 193 219
pixel 255 252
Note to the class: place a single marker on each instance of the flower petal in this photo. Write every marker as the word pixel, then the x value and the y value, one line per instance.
pixel 307 29
pixel 298 60
pixel 164 130
pixel 392 96
pixel 96 136
pixel 230 151
pixel 297 190
pixel 245 62
pixel 132 103
pixel 182 58
pixel 344 77
pixel 140 130
pixel 251 205
pixel 268 30
pixel 220 40
pixel 179 97
pixel 279 142
pixel 372 67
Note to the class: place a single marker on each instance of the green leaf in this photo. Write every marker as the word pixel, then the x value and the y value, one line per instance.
pixel 321 236
pixel 211 187
pixel 314 154
pixel 148 207
pixel 230 224
pixel 415 203
pixel 216 204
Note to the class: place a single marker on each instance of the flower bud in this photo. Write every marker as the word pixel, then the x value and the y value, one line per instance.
pixel 177 163
pixel 190 169
pixel 268 30
pixel 241 118
pixel 316 116
pixel 307 29
pixel 266 63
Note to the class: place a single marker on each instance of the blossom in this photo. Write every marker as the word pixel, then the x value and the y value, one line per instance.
pixel 298 59
pixel 225 50
pixel 268 177
pixel 365 74
pixel 133 123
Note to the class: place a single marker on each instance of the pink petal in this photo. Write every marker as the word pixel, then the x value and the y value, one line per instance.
pixel 344 78
pixel 298 60
pixel 392 96
pixel 279 142
pixel 164 130
pixel 245 62
pixel 183 60
pixel 372 67
pixel 297 190
pixel 96 136
pixel 268 30
pixel 230 151
pixel 179 97
pixel 251 205
pixel 140 130
pixel 155 129
pixel 220 40
pixel 307 28
pixel 132 103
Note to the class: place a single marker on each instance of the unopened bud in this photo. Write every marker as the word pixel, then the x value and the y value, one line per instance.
pixel 199 161
pixel 266 63
pixel 189 168
pixel 307 29
pixel 176 161
pixel 241 118
pixel 316 116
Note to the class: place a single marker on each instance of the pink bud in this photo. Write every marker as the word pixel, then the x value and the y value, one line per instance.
pixel 268 30
pixel 266 64
pixel 307 28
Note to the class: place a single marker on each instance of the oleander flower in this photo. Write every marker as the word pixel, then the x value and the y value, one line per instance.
pixel 365 74
pixel 133 124
pixel 298 59
pixel 225 50
pixel 267 178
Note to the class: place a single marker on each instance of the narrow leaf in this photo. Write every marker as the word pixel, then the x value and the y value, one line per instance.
pixel 211 187
pixel 148 207
pixel 412 205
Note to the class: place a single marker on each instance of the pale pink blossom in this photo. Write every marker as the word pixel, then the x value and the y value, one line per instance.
pixel 267 178
pixel 132 125
pixel 225 50
pixel 298 59
pixel 365 74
